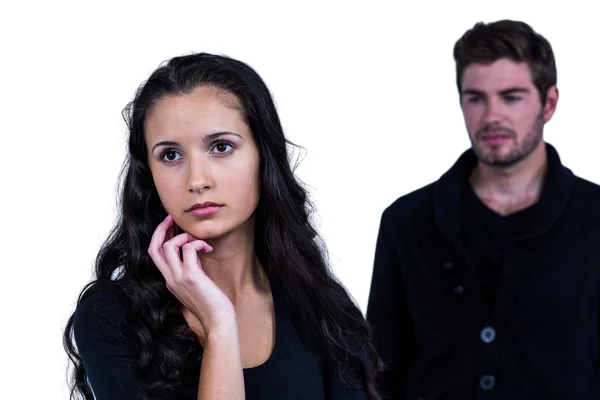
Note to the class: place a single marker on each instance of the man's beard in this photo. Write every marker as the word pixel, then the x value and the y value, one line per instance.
pixel 520 151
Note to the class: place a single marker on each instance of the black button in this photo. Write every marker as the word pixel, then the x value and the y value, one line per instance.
pixel 488 334
pixel 458 289
pixel 448 265
pixel 487 382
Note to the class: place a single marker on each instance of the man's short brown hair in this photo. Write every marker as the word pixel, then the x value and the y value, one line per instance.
pixel 514 40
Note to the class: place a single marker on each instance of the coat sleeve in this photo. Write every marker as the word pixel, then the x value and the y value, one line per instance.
pixel 388 314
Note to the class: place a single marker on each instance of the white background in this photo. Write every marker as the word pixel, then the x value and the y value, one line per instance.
pixel 367 88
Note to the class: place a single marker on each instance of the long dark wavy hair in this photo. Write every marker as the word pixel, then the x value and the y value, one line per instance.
pixel 285 241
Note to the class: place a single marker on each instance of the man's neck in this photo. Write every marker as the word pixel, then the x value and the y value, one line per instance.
pixel 507 190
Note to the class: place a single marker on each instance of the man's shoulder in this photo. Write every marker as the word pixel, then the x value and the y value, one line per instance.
pixel 412 204
pixel 587 188
pixel 586 196
pixel 411 213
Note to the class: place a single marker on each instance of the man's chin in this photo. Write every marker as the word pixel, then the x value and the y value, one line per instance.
pixel 497 158
pixel 499 162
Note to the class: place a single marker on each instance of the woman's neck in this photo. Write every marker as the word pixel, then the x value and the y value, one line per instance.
pixel 233 265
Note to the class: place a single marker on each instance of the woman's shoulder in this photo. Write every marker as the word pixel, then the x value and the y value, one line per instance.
pixel 101 299
pixel 106 344
pixel 101 311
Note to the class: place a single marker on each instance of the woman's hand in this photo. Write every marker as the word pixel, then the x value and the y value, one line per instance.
pixel 221 374
pixel 186 279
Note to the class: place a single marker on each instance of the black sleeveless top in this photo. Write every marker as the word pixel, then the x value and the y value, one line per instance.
pixel 295 370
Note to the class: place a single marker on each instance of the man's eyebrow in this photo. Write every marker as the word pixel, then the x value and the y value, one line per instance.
pixel 505 92
pixel 514 90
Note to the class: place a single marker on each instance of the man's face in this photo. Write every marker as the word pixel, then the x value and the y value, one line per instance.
pixel 503 112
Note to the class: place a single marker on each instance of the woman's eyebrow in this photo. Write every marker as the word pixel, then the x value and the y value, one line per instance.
pixel 164 143
pixel 213 136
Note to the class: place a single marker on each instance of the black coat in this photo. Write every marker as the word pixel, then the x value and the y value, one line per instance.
pixel 426 307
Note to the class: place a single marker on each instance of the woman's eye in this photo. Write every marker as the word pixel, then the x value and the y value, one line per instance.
pixel 222 147
pixel 170 156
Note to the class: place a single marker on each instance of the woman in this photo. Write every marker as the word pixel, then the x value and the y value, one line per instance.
pixel 212 285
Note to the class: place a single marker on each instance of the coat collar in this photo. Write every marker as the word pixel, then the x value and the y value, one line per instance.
pixel 448 194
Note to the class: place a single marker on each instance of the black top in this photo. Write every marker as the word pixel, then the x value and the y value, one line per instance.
pixel 108 349
pixel 486 235
pixel 541 340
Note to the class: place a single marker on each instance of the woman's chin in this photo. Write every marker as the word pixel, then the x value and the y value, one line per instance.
pixel 205 230
pixel 205 234
pixel 216 229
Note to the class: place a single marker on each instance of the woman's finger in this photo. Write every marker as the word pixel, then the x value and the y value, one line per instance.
pixel 159 236
pixel 155 250
pixel 172 251
pixel 191 262
pixel 170 233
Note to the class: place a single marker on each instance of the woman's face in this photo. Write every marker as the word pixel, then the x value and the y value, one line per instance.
pixel 202 154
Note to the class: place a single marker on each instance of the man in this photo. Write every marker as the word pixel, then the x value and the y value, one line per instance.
pixel 486 283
